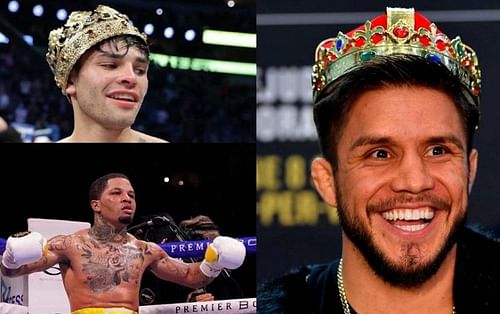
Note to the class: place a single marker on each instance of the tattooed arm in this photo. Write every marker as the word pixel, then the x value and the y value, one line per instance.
pixel 170 269
pixel 55 254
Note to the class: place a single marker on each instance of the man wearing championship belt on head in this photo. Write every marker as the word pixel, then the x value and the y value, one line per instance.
pixel 396 106
pixel 102 266
pixel 100 63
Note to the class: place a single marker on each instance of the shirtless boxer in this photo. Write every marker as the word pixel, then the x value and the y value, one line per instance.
pixel 102 266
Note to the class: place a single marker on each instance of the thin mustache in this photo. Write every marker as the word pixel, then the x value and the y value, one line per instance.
pixel 404 199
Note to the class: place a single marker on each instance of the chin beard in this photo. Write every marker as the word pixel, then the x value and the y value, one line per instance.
pixel 126 220
pixel 410 273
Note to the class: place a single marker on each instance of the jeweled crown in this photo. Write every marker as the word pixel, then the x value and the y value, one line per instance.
pixel 82 30
pixel 400 31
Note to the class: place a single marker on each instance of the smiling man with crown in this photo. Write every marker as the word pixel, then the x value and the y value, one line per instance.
pixel 100 63
pixel 396 106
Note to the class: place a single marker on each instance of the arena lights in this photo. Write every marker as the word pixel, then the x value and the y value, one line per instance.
pixel 168 32
pixel 190 35
pixel 28 39
pixel 13 6
pixel 231 3
pixel 149 29
pixel 4 39
pixel 223 38
pixel 38 10
pixel 207 65
pixel 61 14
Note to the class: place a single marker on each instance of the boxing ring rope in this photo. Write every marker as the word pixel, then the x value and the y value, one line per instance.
pixel 188 249
pixel 185 249
pixel 234 306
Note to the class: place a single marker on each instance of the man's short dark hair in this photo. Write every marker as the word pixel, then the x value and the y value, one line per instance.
pixel 99 185
pixel 129 40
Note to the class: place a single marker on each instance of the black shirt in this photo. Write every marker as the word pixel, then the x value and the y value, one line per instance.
pixel 313 288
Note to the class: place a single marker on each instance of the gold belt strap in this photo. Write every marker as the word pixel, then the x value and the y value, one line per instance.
pixel 111 310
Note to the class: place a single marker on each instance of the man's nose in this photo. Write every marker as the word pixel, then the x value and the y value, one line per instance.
pixel 412 175
pixel 127 75
pixel 127 198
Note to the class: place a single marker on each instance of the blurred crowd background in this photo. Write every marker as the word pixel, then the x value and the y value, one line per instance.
pixel 183 104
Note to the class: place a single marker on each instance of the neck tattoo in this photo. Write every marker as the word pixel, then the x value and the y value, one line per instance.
pixel 106 233
pixel 343 297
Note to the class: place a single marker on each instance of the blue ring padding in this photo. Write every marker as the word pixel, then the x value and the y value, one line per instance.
pixel 187 248
pixel 197 248
pixel 2 245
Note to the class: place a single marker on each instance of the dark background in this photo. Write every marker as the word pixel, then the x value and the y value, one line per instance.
pixel 477 23
pixel 52 181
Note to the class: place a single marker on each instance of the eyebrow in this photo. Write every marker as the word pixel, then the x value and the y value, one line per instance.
pixel 118 56
pixel 384 140
pixel 121 189
pixel 370 140
pixel 447 139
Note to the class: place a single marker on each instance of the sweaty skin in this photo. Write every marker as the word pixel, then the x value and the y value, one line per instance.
pixel 101 268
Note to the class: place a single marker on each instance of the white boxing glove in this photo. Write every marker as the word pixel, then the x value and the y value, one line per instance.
pixel 23 248
pixel 223 252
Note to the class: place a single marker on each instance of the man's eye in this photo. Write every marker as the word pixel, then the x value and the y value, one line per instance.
pixel 380 154
pixel 437 150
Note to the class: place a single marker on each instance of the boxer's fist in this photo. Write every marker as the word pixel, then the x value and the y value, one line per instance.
pixel 23 248
pixel 223 252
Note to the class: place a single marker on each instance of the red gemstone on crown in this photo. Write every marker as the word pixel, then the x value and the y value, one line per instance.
pixel 441 45
pixel 424 40
pixel 328 44
pixel 376 38
pixel 400 32
pixel 359 42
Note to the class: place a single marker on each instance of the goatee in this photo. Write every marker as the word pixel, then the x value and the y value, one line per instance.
pixel 126 220
pixel 411 271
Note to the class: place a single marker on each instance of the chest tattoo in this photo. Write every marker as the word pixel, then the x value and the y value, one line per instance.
pixel 106 266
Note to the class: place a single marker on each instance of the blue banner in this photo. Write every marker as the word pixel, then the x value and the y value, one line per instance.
pixel 187 248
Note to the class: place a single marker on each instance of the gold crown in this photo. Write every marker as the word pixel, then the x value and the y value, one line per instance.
pixel 401 31
pixel 82 30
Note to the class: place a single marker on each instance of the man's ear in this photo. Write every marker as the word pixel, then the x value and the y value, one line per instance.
pixel 322 174
pixel 95 206
pixel 473 158
pixel 70 86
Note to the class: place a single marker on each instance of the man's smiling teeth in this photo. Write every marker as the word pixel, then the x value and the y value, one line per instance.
pixel 123 97
pixel 409 215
